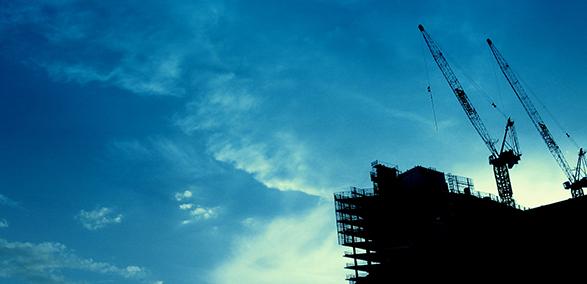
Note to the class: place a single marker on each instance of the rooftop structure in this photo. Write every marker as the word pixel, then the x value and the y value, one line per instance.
pixel 425 220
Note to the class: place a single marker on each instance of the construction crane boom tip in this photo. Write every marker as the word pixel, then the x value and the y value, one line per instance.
pixel 501 161
pixel 576 177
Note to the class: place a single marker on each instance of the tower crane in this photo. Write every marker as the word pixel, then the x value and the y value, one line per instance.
pixel 509 154
pixel 577 179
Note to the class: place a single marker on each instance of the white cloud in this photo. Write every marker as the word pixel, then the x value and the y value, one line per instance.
pixel 296 250
pixel 98 218
pixel 281 163
pixel 46 263
pixel 198 213
pixel 186 206
pixel 132 271
pixel 180 196
pixel 194 211
pixel 203 213
pixel 3 223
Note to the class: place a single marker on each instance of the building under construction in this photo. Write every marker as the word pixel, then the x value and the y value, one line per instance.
pixel 425 221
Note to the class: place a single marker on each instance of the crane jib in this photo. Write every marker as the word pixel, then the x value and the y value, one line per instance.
pixel 500 161
pixel 575 181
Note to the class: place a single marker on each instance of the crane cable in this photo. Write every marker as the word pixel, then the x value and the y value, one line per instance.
pixel 497 84
pixel 478 88
pixel 433 108
pixel 428 88
pixel 543 106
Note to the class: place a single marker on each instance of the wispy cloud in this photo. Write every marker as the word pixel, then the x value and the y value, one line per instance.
pixel 181 155
pixel 177 154
pixel 47 262
pixel 228 98
pixel 250 222
pixel 274 155
pixel 390 114
pixel 132 149
pixel 79 73
pixel 5 201
pixel 280 163
pixel 158 77
pixel 132 53
pixel 98 218
pixel 299 249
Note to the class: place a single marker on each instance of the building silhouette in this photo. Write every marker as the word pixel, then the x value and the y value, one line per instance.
pixel 422 223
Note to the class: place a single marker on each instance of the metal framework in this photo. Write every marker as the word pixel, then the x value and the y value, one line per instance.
pixel 352 231
pixel 576 179
pixel 501 161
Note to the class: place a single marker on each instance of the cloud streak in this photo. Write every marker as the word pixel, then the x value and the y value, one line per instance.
pixel 47 263
pixel 5 201
pixel 140 57
pixel 177 154
pixel 98 218
pixel 283 167
pixel 274 155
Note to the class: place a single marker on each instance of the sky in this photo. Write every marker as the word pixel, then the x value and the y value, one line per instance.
pixel 201 141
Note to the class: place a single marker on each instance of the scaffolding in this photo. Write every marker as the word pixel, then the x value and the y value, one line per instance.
pixel 459 184
pixel 362 212
pixel 353 232
pixel 464 185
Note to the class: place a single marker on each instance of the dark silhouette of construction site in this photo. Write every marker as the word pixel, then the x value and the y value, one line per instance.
pixel 423 221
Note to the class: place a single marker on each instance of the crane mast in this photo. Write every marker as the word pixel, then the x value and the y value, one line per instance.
pixel 576 179
pixel 501 161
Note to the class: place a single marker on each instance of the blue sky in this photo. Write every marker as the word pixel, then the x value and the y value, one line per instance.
pixel 201 141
